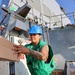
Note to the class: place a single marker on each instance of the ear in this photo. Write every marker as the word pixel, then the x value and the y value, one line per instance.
pixel 40 36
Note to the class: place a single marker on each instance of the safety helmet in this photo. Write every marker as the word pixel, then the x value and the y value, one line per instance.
pixel 35 29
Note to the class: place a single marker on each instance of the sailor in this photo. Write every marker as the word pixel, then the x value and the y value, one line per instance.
pixel 38 53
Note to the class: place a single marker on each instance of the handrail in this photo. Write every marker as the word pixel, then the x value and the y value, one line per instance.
pixel 49 22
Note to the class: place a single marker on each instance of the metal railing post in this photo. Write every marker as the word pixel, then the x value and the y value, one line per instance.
pixel 61 21
pixel 74 17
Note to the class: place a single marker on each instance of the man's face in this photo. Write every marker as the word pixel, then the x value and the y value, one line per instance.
pixel 35 38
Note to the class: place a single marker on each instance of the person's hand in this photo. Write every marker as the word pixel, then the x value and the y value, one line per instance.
pixel 19 49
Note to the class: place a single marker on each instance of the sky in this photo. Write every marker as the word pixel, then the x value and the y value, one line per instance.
pixel 0 2
pixel 1 11
pixel 69 6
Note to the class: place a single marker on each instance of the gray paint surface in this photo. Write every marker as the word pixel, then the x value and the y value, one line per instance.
pixel 62 42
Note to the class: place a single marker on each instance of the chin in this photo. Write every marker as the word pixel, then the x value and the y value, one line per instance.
pixel 33 41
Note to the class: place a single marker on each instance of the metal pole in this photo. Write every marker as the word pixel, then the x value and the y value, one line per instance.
pixel 61 20
pixel 49 22
pixel 74 17
pixel 42 18
pixel 47 36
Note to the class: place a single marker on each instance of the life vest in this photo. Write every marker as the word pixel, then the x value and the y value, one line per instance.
pixel 39 67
